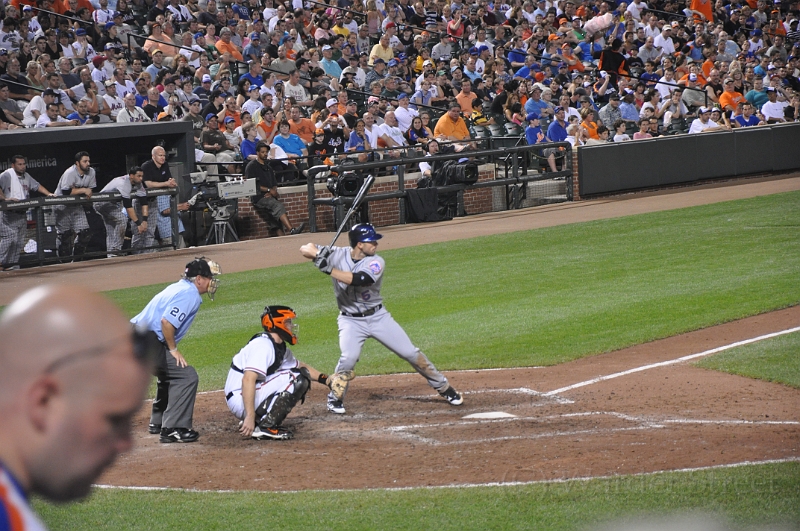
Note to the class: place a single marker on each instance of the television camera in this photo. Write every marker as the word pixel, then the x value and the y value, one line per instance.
pixel 219 197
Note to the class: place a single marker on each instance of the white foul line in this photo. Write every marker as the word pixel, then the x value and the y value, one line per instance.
pixel 671 362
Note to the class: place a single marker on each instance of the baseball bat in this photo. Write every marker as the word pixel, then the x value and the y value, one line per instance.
pixel 356 203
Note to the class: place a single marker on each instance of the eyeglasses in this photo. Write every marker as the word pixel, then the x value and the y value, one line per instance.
pixel 146 347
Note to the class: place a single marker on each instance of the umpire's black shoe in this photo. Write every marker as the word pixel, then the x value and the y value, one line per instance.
pixel 154 429
pixel 181 435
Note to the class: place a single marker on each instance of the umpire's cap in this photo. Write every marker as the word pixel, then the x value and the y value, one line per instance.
pixel 363 232
pixel 202 267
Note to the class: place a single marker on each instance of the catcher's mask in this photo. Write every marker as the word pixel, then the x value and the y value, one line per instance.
pixel 280 320
pixel 204 267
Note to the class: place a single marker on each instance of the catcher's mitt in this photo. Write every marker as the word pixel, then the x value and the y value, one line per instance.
pixel 339 381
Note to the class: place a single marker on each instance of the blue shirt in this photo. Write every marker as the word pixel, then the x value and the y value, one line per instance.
pixel 76 116
pixel 526 72
pixel 248 148
pixel 747 123
pixel 628 111
pixel 534 135
pixel 535 106
pixel 177 303
pixel 331 68
pixel 355 141
pixel 293 144
pixel 254 80
pixel 556 132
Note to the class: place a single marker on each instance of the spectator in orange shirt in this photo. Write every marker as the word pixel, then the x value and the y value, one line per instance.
pixel 63 6
pixel 465 97
pixel 224 44
pixel 451 126
pixel 729 100
pixel 230 109
pixel 302 127
pixel 159 41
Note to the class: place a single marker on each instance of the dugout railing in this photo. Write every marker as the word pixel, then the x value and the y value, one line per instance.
pixel 42 224
pixel 514 181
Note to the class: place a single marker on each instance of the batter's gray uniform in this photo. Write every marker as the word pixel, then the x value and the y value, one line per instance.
pixel 13 223
pixel 114 216
pixel 362 316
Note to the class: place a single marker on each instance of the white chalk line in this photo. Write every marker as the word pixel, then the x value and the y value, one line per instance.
pixel 581 479
pixel 672 362
pixel 644 423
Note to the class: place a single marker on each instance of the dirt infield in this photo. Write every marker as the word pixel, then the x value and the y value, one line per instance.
pixel 399 433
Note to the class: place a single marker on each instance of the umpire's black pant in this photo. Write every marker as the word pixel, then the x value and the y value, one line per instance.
pixel 175 394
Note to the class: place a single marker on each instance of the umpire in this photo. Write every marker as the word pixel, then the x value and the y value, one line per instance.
pixel 169 315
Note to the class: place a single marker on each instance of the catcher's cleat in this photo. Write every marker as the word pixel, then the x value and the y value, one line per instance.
pixel 452 396
pixel 181 435
pixel 271 433
pixel 154 429
pixel 336 406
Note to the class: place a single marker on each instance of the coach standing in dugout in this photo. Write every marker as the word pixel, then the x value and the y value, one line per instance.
pixel 156 175
pixel 169 315
pixel 114 219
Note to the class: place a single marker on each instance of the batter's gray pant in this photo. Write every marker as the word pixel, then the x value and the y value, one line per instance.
pixel 141 243
pixel 354 331
pixel 176 390
pixel 13 224
pixel 115 221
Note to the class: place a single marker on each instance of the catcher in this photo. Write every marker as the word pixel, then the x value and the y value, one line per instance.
pixel 266 381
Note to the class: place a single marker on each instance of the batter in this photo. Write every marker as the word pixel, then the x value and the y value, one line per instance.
pixel 357 275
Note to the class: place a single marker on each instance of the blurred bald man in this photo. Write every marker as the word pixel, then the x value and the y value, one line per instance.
pixel 72 376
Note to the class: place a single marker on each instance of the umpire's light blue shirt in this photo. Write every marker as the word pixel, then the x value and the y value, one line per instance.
pixel 177 303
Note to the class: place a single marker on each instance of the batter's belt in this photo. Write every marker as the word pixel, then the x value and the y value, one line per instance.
pixel 367 313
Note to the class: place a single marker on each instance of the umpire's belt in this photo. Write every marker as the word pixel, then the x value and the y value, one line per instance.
pixel 364 314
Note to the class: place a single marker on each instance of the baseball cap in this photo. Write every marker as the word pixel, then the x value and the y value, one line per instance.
pixel 675 24
pixel 255 36
pixel 558 109
pixel 402 96
pixel 614 96
pixel 331 102
pixel 483 48
pixel 473 51
pixel 110 46
pixel 165 116
pixel 198 267
pixel 199 34
pixel 628 92
pixel 109 83
pixel 532 116
pixel 378 61
pixel 206 78
pixel 352 102
pixel 703 110
pixel 756 33
pixel 27 8
pixel 319 131
pixel 349 70
pixel 536 87
pixel 98 60
pixel 117 14
pixel 453 69
pixel 692 77
pixel 109 25
pixel 391 25
pixel 210 116
pixel 155 51
pixel 771 89
pixel 228 119
pixel 169 80
pixel 326 48
pixel 3 51
pixel 373 99
pixel 418 37
pixel 427 62
pixel 49 92
pixel 232 22
pixel 392 63
pixel 80 32
pixel 331 115
pixel 727 80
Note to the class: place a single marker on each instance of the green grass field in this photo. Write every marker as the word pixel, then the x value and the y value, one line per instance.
pixel 540 297
pixel 774 360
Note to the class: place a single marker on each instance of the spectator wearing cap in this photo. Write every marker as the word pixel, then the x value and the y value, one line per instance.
pixel 536 104
pixel 194 116
pixel 693 96
pixel 252 52
pixel 730 99
pixel 214 143
pixel 404 113
pixel 773 110
pixel 253 105
pixel 112 101
pixel 557 131
pixel 81 48
pixel 157 64
pixel 610 112
pixel 38 107
pixel 327 63
pixel 703 124
pixel 443 49
pixel 350 115
pixel 663 41
pixel 627 108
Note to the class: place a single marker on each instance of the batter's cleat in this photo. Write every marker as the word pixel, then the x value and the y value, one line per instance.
pixel 452 396
pixel 180 435
pixel 281 434
pixel 154 429
pixel 336 406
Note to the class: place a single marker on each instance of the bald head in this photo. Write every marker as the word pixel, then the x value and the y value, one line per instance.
pixel 69 387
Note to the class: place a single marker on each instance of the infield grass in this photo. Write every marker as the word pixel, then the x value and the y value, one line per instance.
pixel 538 297
pixel 748 496
pixel 774 360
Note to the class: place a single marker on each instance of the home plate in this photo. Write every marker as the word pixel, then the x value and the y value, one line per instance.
pixel 491 415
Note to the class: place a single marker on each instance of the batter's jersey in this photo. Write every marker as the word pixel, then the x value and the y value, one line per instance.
pixel 72 179
pixel 15 513
pixel 357 299
pixel 259 357
pixel 177 303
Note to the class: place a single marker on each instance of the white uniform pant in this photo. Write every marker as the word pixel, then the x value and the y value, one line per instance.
pixel 269 389
pixel 354 331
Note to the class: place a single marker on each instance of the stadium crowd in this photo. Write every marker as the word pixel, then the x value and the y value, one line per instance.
pixel 314 80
